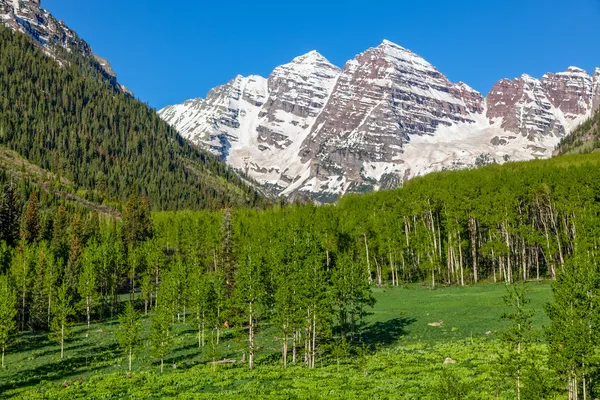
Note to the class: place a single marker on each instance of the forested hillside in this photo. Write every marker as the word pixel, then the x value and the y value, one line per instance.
pixel 69 120
pixel 584 139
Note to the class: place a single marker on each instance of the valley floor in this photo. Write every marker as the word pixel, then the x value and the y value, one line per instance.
pixel 406 330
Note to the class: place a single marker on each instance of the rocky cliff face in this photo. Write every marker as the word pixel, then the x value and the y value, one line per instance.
pixel 388 115
pixel 258 124
pixel 52 35
pixel 524 108
pixel 570 91
pixel 596 90
pixel 382 98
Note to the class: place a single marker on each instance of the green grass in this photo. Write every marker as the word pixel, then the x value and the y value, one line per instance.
pixel 409 356
pixel 470 311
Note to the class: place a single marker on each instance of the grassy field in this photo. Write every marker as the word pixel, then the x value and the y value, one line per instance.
pixel 408 362
pixel 470 311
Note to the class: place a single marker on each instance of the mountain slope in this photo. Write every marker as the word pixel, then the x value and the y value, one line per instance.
pixel 387 116
pixel 54 37
pixel 69 120
pixel 584 139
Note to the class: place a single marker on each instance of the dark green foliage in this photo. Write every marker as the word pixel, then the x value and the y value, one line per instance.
pixel 71 121
pixel 137 224
pixel 9 215
pixel 31 224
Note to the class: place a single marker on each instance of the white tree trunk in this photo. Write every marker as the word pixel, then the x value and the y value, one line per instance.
pixel 251 340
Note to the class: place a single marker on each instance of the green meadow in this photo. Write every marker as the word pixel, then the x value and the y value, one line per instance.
pixel 405 335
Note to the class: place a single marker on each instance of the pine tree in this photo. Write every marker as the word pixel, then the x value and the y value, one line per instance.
pixel 8 312
pixel 129 332
pixel 60 246
pixel 6 253
pixel 137 223
pixel 31 224
pixel 62 311
pixel 9 215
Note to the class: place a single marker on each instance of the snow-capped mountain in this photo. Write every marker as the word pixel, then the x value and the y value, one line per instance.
pixel 52 35
pixel 388 115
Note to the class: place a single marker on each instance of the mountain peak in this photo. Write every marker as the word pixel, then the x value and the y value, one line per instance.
pixel 466 87
pixel 388 43
pixel 397 53
pixel 312 57
pixel 576 69
pixel 530 79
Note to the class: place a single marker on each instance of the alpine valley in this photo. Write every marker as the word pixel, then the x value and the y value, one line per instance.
pixel 314 130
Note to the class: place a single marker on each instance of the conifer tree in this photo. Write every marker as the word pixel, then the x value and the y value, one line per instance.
pixel 8 312
pixel 60 226
pixel 129 332
pixel 5 256
pixel 31 224
pixel 137 224
pixel 9 215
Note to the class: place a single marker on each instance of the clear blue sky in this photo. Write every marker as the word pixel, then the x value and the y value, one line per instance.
pixel 169 51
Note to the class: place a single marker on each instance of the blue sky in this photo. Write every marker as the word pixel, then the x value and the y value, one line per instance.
pixel 167 52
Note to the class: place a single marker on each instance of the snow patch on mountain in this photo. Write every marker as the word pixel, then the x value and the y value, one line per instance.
pixel 388 115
